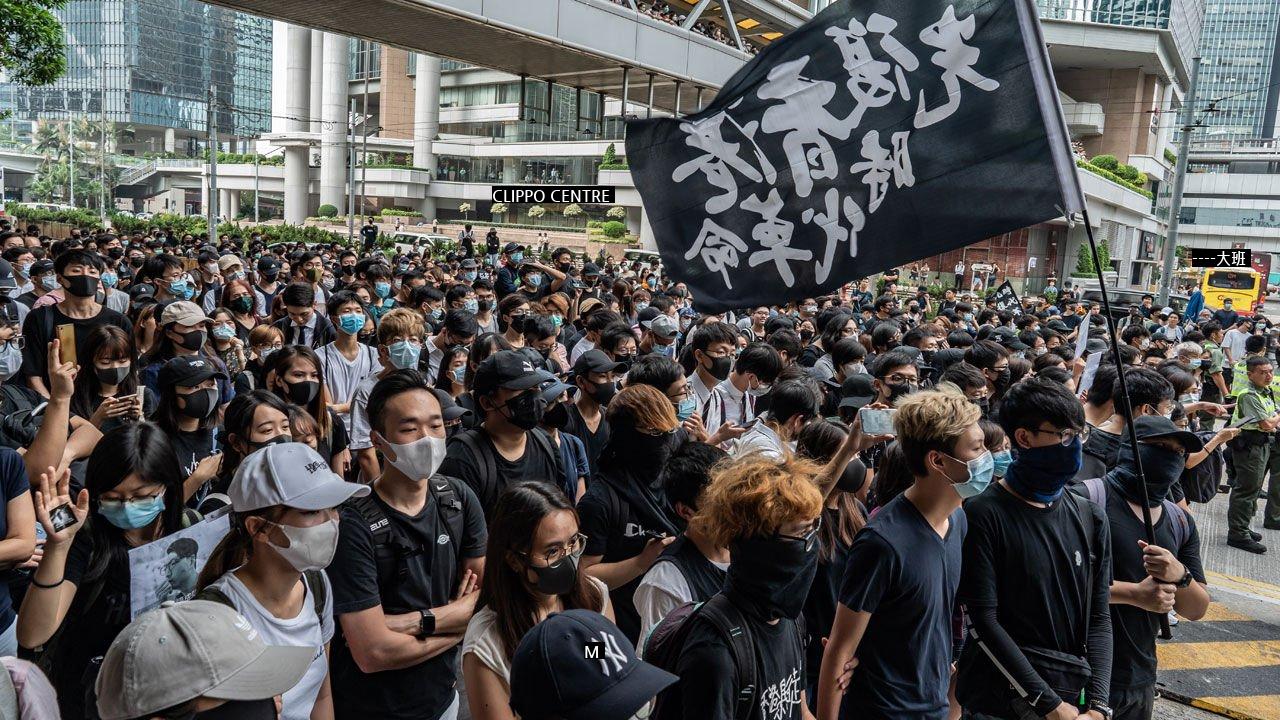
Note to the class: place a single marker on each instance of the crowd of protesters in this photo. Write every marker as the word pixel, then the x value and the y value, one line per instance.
pixel 487 482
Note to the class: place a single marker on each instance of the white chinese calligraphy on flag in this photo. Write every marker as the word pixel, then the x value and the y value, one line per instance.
pixel 878 133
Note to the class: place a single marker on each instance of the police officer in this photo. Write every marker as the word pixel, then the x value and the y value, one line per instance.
pixel 1255 456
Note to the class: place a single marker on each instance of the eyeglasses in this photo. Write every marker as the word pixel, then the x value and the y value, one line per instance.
pixel 575 547
pixel 1065 437
pixel 899 379
pixel 656 433
pixel 809 537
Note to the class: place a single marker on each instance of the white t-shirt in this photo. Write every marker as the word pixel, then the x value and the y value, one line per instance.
pixel 359 427
pixel 662 590
pixel 482 638
pixel 584 345
pixel 343 376
pixel 305 630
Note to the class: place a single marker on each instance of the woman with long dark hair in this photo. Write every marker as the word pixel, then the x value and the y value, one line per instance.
pixel 295 374
pixel 80 591
pixel 452 377
pixel 253 420
pixel 106 394
pixel 531 571
pixel 237 297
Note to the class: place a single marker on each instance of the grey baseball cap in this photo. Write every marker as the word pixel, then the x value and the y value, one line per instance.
pixel 179 652
pixel 289 474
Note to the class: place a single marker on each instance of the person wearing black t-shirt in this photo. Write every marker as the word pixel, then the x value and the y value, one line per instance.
pixel 401 620
pixel 1148 580
pixel 596 377
pixel 1037 573
pixel 78 273
pixel 508 447
pixel 898 596
pixel 768 514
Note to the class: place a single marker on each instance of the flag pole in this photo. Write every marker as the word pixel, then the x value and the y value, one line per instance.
pixel 1125 404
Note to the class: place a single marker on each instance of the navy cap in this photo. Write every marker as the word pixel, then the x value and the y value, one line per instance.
pixel 552 677
pixel 590 269
pixel 510 370
pixel 512 247
pixel 268 263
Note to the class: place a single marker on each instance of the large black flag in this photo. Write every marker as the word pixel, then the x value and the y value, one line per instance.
pixel 880 132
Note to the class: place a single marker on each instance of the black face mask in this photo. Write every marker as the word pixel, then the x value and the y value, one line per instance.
pixel 626 361
pixel 348 270
pixel 556 579
pixel 240 710
pixel 604 392
pixel 526 411
pixel 927 355
pixel 483 305
pixel 1002 379
pixel 651 450
pixel 806 336
pixel 111 376
pixel 720 367
pixel 897 391
pixel 256 446
pixel 200 404
pixel 115 253
pixel 82 285
pixel 770 576
pixel 242 305
pixel 270 275
pixel 556 416
pixel 564 267
pixel 136 261
pixel 984 404
pixel 1160 466
pixel 302 393
pixel 193 340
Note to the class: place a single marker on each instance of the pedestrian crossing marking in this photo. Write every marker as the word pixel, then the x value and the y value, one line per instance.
pixel 1206 655
pixel 1249 707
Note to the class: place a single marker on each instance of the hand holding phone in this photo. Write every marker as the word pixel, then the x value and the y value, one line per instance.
pixel 66 343
pixel 877 421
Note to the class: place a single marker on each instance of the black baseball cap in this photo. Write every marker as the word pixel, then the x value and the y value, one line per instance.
pixel 510 370
pixel 267 264
pixel 1149 427
pixel 188 370
pixel 41 267
pixel 6 276
pixel 1008 338
pixel 450 409
pixel 595 361
pixel 857 391
pixel 590 269
pixel 552 677
pixel 512 247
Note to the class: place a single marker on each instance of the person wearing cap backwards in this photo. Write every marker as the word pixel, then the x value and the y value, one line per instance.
pixel 613 684
pixel 78 274
pixel 198 660
pixel 409 561
pixel 269 568
pixel 1147 579
pixel 508 446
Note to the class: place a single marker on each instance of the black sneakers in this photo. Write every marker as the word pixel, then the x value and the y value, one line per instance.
pixel 1248 545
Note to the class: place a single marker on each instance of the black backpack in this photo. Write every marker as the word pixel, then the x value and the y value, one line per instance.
pixel 666 640
pixel 390 546
pixel 483 452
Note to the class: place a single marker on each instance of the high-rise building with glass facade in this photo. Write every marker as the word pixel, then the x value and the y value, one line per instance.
pixel 150 64
pixel 1239 69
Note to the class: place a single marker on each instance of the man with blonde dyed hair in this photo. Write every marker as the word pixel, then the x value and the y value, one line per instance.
pixel 400 336
pixel 767 513
pixel 903 569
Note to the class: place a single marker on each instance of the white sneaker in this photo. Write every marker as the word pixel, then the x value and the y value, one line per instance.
pixel 1173 618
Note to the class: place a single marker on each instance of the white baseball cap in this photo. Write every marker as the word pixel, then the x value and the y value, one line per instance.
pixel 179 652
pixel 289 474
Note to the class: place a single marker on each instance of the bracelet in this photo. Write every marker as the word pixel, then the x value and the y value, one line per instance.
pixel 50 586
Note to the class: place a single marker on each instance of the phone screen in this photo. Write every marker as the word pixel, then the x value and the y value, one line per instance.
pixel 877 421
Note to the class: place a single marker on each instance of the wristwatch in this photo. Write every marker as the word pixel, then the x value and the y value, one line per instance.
pixel 1106 712
pixel 426 624
pixel 1185 581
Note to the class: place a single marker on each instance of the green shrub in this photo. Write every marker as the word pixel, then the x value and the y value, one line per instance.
pixel 617 212
pixel 1169 157
pixel 1128 173
pixel 392 212
pixel 610 155
pixel 327 211
pixel 1084 262
pixel 1114 178
pixel 615 166
pixel 572 210
pixel 1106 162
pixel 614 229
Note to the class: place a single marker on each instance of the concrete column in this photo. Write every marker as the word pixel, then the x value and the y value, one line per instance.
pixel 297 106
pixel 426 111
pixel 333 115
pixel 427 206
pixel 279 69
pixel 230 204
pixel 169 141
pixel 317 79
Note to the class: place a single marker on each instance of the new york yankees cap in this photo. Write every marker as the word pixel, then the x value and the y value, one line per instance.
pixel 579 666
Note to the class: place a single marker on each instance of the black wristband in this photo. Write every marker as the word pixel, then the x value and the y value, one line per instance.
pixel 50 586
pixel 426 623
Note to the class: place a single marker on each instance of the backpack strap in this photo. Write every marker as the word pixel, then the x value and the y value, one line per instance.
pixel 448 506
pixel 542 440
pixel 1097 492
pixel 731 626
pixel 213 594
pixel 1085 516
pixel 481 452
pixel 1179 523
pixel 389 546
pixel 319 591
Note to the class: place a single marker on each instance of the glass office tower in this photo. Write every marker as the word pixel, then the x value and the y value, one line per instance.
pixel 1238 69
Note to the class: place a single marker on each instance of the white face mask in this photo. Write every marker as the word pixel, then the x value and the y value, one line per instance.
pixel 310 548
pixel 10 360
pixel 419 459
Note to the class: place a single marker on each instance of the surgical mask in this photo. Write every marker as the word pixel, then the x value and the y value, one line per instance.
pixel 178 288
pixel 1002 460
pixel 109 279
pixel 556 579
pixel 516 257
pixel 200 404
pixel 403 354
pixel 436 314
pixel 469 276
pixel 667 351
pixel 265 353
pixel 49 282
pixel 310 548
pixel 1144 344
pixel 1194 363
pixel 211 268
pixel 557 321
pixel 686 408
pixel 1040 473
pixel 223 332
pixel 980 470
pixel 382 289
pixel 302 393
pixel 82 286
pixel 351 323
pixel 640 306
pixel 460 375
pixel 25 268
pixel 237 275
pixel 759 390
pixel 10 360
pixel 472 306
pixel 327 283
pixel 533 279
pixel 419 459
pixel 132 514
